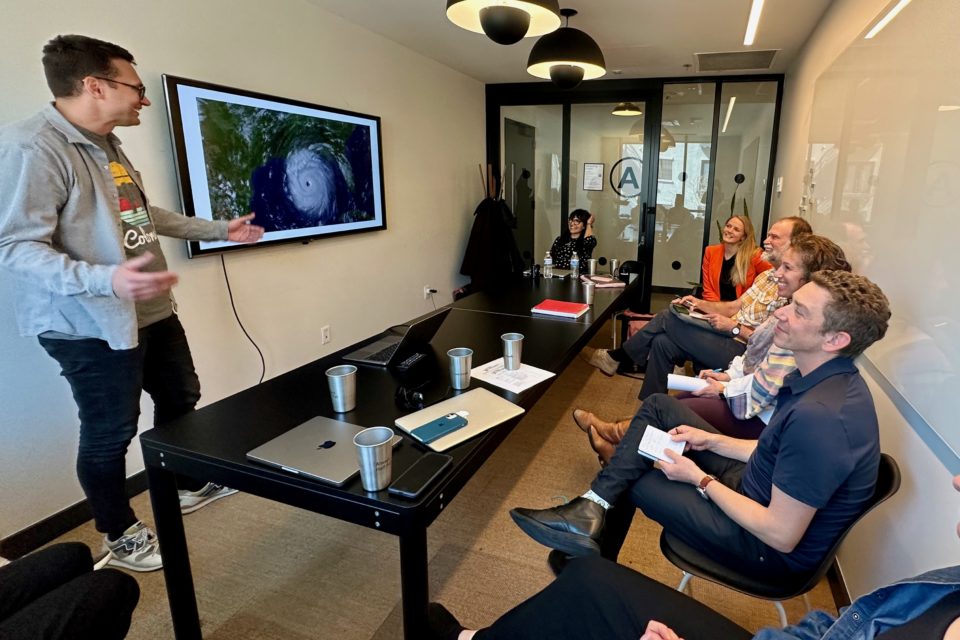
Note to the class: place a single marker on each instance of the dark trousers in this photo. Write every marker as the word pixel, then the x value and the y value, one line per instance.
pixel 631 480
pixel 595 599
pixel 107 385
pixel 54 593
pixel 667 341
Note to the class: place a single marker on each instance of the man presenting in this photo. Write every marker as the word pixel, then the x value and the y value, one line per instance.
pixel 771 506
pixel 79 234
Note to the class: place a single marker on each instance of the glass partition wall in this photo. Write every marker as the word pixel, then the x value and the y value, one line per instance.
pixel 660 183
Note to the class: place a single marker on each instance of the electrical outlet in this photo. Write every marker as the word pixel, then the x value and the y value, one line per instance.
pixel 428 291
pixel 325 334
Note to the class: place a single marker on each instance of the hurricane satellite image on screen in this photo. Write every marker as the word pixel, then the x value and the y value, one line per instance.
pixel 294 171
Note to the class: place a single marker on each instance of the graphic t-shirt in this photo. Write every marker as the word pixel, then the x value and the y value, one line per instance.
pixel 139 235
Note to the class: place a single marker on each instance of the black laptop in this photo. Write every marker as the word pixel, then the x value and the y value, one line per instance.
pixel 392 349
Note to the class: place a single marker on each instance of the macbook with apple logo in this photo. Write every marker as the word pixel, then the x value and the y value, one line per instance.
pixel 320 449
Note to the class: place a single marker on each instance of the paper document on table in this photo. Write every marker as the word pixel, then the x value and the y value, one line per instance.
pixel 684 383
pixel 516 381
pixel 653 443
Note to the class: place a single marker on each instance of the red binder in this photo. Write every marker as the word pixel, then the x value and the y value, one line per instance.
pixel 560 308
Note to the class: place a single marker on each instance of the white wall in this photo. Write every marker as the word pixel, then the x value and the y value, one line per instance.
pixel 433 138
pixel 915 531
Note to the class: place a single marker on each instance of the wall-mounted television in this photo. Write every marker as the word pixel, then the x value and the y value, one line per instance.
pixel 306 170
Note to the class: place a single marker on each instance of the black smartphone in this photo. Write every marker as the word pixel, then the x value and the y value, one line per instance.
pixel 419 475
pixel 681 308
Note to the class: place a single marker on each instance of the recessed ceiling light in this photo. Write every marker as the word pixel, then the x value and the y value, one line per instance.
pixel 726 120
pixel 949 107
pixel 885 20
pixel 753 22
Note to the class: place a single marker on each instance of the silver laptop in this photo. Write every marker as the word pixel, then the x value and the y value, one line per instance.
pixel 320 448
pixel 391 349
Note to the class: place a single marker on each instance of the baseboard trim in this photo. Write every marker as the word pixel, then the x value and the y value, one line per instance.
pixel 36 535
pixel 838 587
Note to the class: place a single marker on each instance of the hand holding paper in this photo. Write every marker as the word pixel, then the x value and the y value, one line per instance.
pixel 655 442
pixel 681 468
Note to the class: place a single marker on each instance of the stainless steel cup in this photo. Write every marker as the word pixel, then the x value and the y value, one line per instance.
pixel 461 360
pixel 342 381
pixel 588 289
pixel 614 267
pixel 592 267
pixel 375 454
pixel 512 346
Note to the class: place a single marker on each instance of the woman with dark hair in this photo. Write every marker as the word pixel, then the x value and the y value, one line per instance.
pixel 577 237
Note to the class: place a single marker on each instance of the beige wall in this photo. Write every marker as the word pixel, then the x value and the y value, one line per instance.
pixel 433 138
pixel 914 531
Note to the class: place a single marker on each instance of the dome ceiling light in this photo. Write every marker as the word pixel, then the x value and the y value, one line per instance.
pixel 505 21
pixel 626 109
pixel 567 56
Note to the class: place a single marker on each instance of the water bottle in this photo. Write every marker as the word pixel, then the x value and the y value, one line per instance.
pixel 575 265
pixel 548 265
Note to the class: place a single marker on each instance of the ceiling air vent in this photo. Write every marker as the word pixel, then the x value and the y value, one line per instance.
pixel 736 60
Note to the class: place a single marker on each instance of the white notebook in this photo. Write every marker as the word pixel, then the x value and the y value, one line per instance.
pixel 653 443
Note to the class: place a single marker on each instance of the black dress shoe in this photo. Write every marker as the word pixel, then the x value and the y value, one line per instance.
pixel 557 561
pixel 441 625
pixel 573 528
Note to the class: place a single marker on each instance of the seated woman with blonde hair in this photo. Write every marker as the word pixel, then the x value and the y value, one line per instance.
pixel 730 267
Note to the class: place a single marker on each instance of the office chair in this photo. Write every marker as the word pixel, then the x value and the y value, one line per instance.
pixel 694 563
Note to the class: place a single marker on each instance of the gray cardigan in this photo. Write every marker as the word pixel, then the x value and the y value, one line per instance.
pixel 60 231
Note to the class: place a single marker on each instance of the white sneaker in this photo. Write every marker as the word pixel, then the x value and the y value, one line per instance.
pixel 137 549
pixel 601 359
pixel 190 501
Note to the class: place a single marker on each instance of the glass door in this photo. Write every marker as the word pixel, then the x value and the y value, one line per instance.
pixel 715 161
pixel 607 176
pixel 683 184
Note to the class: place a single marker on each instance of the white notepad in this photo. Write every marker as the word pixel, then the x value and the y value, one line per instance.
pixel 653 443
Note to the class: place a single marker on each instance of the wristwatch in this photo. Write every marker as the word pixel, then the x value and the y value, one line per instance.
pixel 702 487
pixel 735 332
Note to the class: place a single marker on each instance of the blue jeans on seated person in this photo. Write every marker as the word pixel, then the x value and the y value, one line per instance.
pixel 107 385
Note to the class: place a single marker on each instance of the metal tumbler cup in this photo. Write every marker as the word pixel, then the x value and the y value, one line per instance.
pixel 512 346
pixel 342 381
pixel 461 360
pixel 375 453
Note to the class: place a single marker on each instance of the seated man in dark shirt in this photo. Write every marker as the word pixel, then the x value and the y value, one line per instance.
pixel 773 506
pixel 597 599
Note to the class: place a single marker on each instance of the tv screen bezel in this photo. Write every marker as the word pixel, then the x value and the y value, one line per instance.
pixel 183 161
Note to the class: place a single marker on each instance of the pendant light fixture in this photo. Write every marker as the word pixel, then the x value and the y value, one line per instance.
pixel 567 56
pixel 505 21
pixel 627 109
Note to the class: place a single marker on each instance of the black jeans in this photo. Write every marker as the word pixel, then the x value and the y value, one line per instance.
pixel 630 480
pixel 594 599
pixel 54 593
pixel 107 385
pixel 667 341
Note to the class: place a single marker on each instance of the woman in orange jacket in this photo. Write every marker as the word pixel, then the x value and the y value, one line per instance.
pixel 730 267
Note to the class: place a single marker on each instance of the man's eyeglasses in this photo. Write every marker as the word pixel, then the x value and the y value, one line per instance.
pixel 139 88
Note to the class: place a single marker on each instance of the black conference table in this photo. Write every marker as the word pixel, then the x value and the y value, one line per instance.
pixel 211 443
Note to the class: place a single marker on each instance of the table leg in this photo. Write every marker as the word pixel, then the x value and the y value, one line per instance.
pixel 414 583
pixel 173 547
